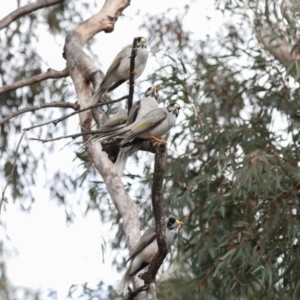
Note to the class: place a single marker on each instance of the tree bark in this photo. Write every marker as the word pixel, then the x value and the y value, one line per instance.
pixel 86 79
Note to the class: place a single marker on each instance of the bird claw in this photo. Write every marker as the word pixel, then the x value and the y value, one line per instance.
pixel 156 140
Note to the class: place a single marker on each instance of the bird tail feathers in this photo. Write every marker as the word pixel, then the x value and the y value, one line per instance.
pixel 123 285
pixel 123 155
pixel 121 161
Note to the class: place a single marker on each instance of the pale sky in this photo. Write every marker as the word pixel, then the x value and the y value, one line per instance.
pixel 51 254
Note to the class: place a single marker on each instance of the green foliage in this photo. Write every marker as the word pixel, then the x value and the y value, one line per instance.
pixel 234 173
pixel 19 44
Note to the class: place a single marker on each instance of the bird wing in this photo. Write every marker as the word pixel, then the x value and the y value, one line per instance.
pixel 116 85
pixel 148 237
pixel 119 118
pixel 133 112
pixel 117 60
pixel 153 118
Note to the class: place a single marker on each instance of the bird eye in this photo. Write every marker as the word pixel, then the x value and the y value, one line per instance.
pixel 172 220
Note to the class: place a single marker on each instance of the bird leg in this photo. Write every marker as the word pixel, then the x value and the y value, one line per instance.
pixel 157 140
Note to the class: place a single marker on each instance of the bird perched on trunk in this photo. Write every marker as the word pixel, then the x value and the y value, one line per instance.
pixel 144 252
pixel 119 70
pixel 138 110
pixel 152 125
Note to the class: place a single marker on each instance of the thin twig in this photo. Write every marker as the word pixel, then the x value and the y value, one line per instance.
pixel 12 171
pixel 75 135
pixel 132 71
pixel 56 121
pixel 40 106
pixel 26 9
pixel 158 211
pixel 34 79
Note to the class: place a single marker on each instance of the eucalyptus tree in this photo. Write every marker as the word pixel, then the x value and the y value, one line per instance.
pixel 232 168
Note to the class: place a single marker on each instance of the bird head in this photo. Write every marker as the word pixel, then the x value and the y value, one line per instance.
pixel 173 223
pixel 174 108
pixel 152 92
pixel 141 42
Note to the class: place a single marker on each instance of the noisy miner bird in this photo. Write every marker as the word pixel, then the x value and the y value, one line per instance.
pixel 145 251
pixel 138 110
pixel 119 70
pixel 121 118
pixel 153 125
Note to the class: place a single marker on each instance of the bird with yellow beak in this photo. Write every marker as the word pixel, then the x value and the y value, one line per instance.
pixel 144 252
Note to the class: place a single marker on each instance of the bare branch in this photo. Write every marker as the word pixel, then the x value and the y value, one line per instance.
pixel 34 79
pixel 40 106
pixel 132 71
pixel 75 135
pixel 26 9
pixel 158 211
pixel 12 171
pixel 56 121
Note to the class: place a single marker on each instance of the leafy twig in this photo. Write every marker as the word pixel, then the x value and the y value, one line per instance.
pixel 12 171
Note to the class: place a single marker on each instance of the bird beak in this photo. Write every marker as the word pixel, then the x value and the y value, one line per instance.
pixel 143 41
pixel 176 106
pixel 178 223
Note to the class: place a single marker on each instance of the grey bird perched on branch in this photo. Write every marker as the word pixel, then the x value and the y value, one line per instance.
pixel 138 110
pixel 144 252
pixel 147 103
pixel 152 125
pixel 121 119
pixel 119 70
